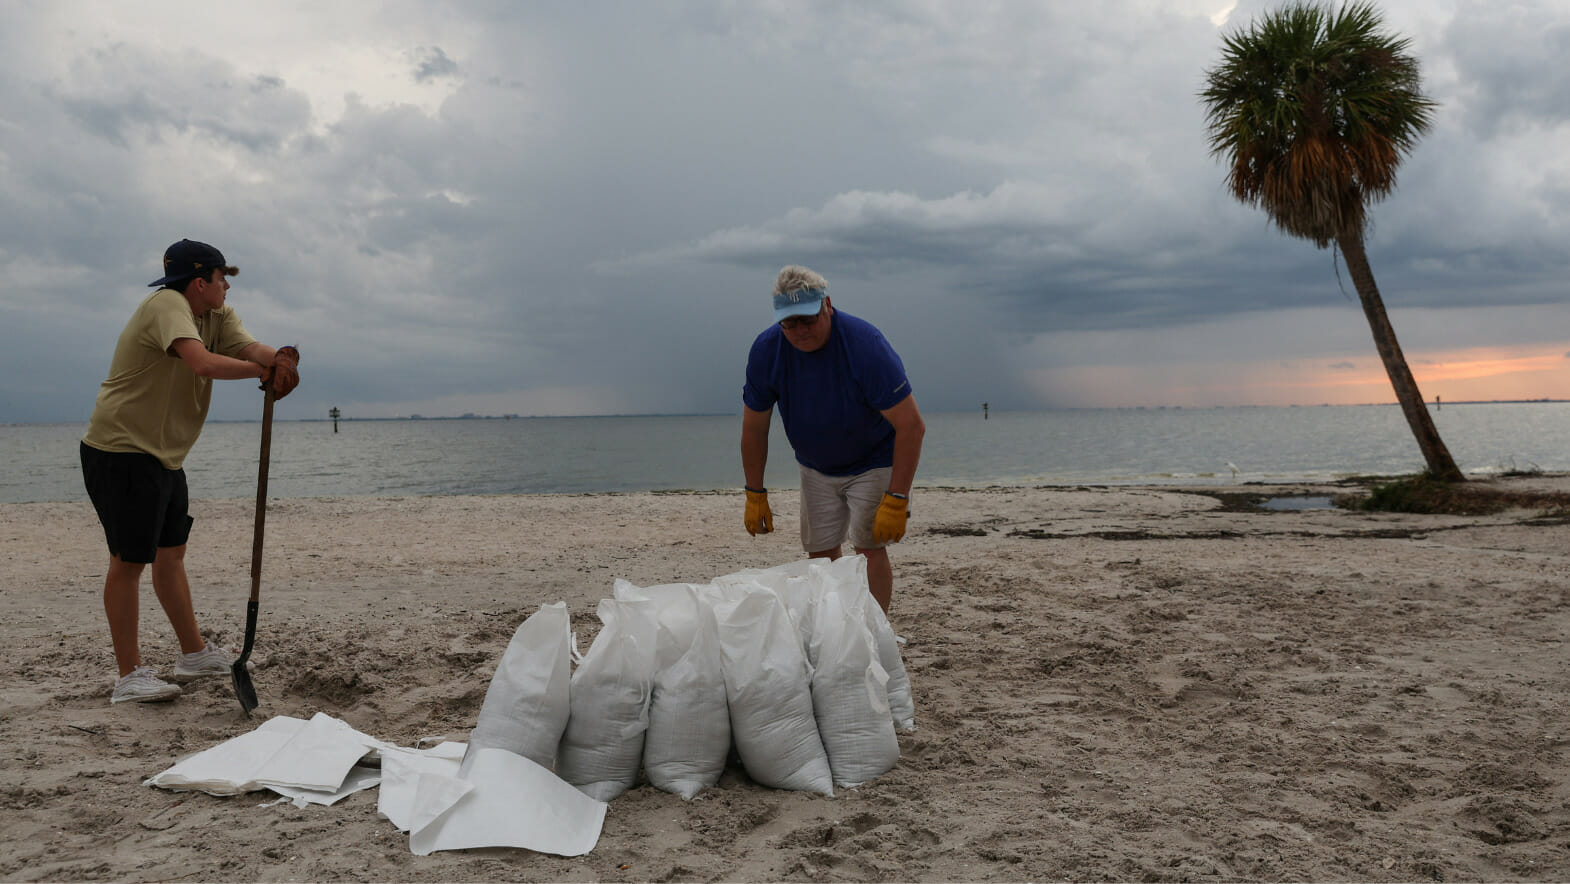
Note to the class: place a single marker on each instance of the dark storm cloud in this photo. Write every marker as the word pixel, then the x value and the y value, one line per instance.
pixel 431 63
pixel 1135 246
pixel 1510 71
pixel 124 92
pixel 1055 272
pixel 498 198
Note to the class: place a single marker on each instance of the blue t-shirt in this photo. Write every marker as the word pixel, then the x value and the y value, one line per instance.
pixel 830 400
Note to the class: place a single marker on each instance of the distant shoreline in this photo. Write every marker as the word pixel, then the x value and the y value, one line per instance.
pixel 495 417
pixel 422 418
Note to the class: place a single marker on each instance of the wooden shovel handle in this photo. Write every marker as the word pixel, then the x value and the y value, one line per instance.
pixel 261 499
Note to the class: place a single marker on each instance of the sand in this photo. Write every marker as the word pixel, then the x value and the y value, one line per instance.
pixel 1134 684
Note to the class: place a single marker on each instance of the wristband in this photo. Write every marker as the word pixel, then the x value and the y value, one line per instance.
pixel 754 490
pixel 896 495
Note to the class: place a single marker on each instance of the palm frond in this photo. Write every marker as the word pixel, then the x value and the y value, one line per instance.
pixel 1313 108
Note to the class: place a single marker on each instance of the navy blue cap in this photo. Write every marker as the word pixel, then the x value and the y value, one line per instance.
pixel 188 258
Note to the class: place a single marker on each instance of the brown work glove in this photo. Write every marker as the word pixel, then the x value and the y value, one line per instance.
pixel 888 524
pixel 284 374
pixel 759 519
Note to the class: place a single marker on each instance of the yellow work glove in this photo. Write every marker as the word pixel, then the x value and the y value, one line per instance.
pixel 759 519
pixel 889 524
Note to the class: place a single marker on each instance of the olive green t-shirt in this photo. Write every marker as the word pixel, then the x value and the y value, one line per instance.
pixel 152 401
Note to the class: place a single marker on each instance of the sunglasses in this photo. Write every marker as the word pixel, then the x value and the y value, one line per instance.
pixel 804 321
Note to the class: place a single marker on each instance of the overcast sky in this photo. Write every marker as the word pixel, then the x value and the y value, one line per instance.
pixel 579 208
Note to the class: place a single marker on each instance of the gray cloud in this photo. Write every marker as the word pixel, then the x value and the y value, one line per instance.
pixel 1509 70
pixel 430 63
pixel 125 93
pixel 562 200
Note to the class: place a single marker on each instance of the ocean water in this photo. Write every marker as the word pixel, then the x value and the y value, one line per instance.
pixel 652 453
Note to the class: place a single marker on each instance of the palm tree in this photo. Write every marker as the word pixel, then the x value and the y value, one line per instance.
pixel 1314 108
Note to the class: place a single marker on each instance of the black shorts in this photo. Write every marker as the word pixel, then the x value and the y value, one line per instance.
pixel 142 505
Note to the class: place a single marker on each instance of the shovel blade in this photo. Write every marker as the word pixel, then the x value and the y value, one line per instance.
pixel 243 689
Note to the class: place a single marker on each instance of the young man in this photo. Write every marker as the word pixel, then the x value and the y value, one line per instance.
pixel 149 412
pixel 850 418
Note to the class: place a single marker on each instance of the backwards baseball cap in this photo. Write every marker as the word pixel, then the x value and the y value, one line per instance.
pixel 800 302
pixel 188 258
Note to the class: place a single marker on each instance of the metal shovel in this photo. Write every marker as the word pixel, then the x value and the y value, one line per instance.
pixel 243 689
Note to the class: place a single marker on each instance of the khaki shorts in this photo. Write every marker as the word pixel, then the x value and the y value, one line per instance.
pixel 834 507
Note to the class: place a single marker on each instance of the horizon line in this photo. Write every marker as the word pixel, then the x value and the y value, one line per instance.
pixel 985 411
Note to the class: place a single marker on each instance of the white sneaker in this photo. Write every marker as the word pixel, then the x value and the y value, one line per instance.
pixel 210 660
pixel 143 686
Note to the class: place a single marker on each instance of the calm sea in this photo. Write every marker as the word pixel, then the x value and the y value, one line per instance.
pixel 608 454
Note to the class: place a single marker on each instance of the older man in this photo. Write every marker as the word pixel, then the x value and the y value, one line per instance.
pixel 149 413
pixel 850 418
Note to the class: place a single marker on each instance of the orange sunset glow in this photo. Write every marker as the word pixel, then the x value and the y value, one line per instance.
pixel 1481 373
pixel 1471 374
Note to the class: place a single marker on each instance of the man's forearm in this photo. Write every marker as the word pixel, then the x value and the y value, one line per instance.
pixel 223 368
pixel 907 453
pixel 259 353
pixel 754 456
pixel 909 429
pixel 754 446
pixel 215 366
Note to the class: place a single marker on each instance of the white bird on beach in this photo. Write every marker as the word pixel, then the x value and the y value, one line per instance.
pixel 1233 467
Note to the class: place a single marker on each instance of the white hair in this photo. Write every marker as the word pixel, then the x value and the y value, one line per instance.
pixel 794 277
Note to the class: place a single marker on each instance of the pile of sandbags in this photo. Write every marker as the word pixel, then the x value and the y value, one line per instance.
pixel 796 666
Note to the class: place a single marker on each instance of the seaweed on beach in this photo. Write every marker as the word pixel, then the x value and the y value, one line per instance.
pixel 1424 493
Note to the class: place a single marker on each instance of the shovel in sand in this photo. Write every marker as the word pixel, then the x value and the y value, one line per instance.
pixel 243 689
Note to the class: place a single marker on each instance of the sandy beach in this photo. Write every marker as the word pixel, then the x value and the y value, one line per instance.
pixel 1133 684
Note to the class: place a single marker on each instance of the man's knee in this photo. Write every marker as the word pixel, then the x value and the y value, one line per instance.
pixel 123 578
pixel 119 567
pixel 169 555
pixel 168 563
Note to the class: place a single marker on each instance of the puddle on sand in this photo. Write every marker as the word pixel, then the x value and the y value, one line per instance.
pixel 1298 503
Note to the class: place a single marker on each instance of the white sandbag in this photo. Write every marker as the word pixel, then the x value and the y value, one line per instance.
pixel 849 574
pixel 770 695
pixel 675 608
pixel 794 582
pixel 602 747
pixel 689 720
pixel 527 704
pixel 849 691
pixel 902 704
pixel 792 568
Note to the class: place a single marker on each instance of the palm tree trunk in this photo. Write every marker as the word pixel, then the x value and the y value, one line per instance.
pixel 1440 464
